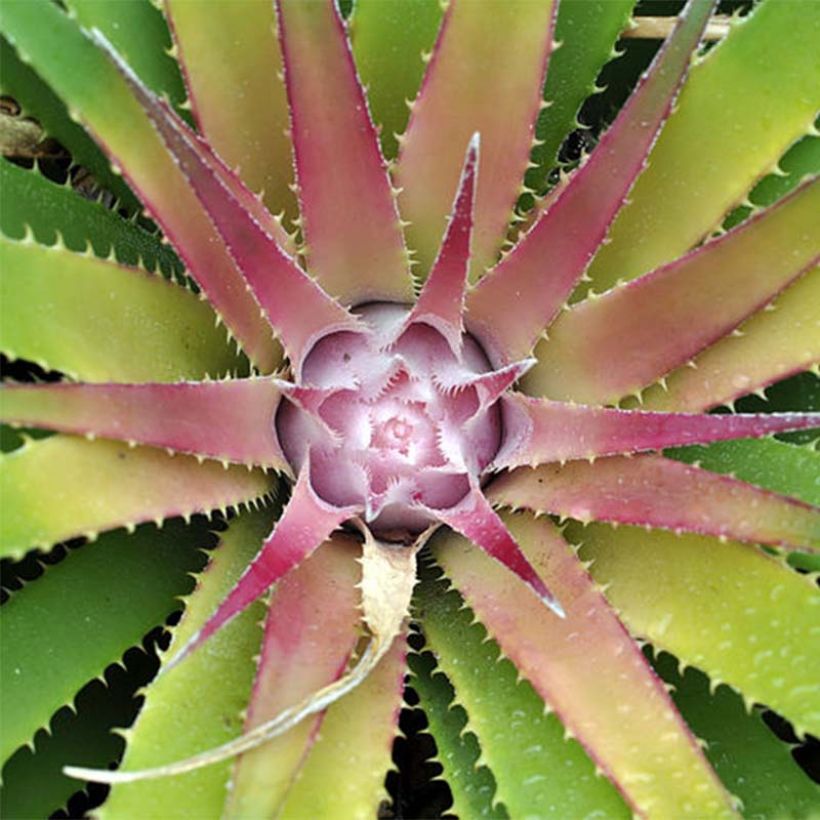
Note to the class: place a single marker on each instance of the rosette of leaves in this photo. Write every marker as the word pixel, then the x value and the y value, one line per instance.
pixel 437 327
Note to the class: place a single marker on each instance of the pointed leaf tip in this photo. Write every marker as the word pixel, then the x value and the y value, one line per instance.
pixel 297 309
pixel 305 524
pixel 458 97
pixel 535 279
pixel 441 302
pixel 475 519
pixel 543 431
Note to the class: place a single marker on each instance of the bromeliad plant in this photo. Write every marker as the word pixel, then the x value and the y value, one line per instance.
pixel 437 368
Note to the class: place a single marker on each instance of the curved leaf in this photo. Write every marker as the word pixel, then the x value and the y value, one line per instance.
pixel 99 321
pixel 757 86
pixel 587 31
pixel 762 615
pixel 628 726
pixel 55 212
pixel 750 759
pixel 137 30
pixel 521 740
pixel 22 83
pixel 471 783
pixel 198 704
pixel 82 615
pixel 64 487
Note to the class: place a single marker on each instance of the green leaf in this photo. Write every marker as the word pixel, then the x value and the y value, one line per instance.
pixel 232 62
pixel 521 741
pixel 782 468
pixel 296 661
pixel 390 41
pixel 99 95
pixel 82 615
pixel 772 344
pixel 753 763
pixel 13 438
pixel 587 668
pixel 198 704
pixel 774 465
pixel 587 31
pixel 353 750
pixel 801 391
pixel 738 614
pixel 743 106
pixel 54 212
pixel 801 159
pixel 20 81
pixel 99 321
pixel 65 487
pixel 33 781
pixel 137 29
pixel 471 784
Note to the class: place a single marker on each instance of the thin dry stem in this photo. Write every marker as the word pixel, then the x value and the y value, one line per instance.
pixel 659 28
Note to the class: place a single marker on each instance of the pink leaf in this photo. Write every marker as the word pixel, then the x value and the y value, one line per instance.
pixel 297 660
pixel 654 491
pixel 541 431
pixel 354 240
pixel 489 386
pixel 475 519
pixel 228 420
pixel 298 310
pixel 513 304
pixel 441 302
pixel 607 347
pixel 304 525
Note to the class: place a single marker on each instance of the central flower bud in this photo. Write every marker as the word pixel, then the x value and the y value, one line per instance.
pixel 393 421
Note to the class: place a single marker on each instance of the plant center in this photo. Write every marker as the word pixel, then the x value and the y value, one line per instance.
pixel 391 421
